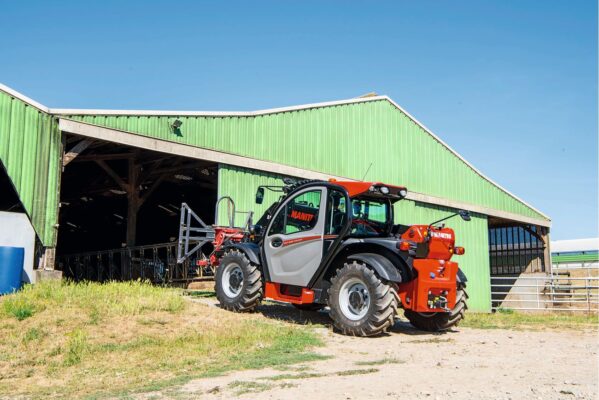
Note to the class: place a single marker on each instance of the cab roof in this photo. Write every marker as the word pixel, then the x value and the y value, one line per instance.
pixel 355 189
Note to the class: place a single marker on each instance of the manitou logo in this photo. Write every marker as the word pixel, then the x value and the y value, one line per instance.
pixel 441 235
pixel 302 216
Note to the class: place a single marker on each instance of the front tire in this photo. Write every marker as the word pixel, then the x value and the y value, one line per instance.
pixel 441 321
pixel 238 282
pixel 361 303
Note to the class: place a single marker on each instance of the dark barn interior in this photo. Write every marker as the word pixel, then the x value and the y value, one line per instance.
pixel 116 199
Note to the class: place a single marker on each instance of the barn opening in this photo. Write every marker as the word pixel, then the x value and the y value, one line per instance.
pixel 120 210
pixel 518 252
pixel 9 199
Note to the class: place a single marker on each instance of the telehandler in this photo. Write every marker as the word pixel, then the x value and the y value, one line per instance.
pixel 334 244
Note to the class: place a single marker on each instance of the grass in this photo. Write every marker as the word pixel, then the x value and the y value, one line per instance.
pixel 93 340
pixel 510 319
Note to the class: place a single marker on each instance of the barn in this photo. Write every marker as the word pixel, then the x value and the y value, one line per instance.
pixel 104 187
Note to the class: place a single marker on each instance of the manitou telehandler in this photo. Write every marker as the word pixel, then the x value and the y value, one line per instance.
pixel 335 244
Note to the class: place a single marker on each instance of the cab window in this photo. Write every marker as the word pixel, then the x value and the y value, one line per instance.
pixel 336 213
pixel 369 217
pixel 300 214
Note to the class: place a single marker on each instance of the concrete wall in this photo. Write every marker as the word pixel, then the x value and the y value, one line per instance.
pixel 16 231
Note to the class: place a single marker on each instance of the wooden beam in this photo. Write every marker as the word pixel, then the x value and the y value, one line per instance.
pixel 113 175
pixel 95 157
pixel 133 202
pixel 75 150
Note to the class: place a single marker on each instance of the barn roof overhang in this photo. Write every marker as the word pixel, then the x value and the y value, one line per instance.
pixel 164 146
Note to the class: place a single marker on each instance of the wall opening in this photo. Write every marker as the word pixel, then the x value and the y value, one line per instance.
pixel 518 255
pixel 120 209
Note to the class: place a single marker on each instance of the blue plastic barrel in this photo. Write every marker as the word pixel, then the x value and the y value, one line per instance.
pixel 11 267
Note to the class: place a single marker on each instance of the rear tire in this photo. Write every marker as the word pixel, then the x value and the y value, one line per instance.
pixel 238 282
pixel 439 322
pixel 361 303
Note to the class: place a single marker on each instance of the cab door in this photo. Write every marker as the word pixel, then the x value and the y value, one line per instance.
pixel 293 245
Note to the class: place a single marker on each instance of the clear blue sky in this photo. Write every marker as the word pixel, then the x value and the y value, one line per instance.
pixel 511 85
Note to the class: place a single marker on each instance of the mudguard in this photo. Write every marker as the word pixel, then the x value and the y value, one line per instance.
pixel 461 276
pixel 381 264
pixel 251 250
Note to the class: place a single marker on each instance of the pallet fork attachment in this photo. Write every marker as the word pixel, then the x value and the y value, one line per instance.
pixel 190 235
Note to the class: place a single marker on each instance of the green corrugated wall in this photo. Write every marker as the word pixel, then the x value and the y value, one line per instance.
pixel 339 140
pixel 241 185
pixel 30 149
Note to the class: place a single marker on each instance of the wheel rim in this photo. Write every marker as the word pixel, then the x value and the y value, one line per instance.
pixel 232 280
pixel 354 299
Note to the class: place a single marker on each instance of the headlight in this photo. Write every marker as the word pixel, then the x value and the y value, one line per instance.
pixel 384 190
pixel 403 192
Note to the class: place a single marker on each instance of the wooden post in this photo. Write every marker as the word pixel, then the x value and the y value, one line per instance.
pixel 133 202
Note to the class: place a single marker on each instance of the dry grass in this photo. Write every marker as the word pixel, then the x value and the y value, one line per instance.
pixel 66 340
pixel 509 319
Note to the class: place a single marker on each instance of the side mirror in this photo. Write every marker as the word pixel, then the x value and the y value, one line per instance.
pixel 464 214
pixel 260 195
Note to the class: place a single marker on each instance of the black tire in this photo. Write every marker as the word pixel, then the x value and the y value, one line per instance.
pixel 309 307
pixel 382 301
pixel 244 295
pixel 439 322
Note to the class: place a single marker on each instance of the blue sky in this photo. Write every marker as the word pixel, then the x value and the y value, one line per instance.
pixel 511 85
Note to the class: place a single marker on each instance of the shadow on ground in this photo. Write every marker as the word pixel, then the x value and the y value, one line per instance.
pixel 289 313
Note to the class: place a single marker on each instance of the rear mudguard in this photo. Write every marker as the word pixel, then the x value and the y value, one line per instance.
pixel 461 277
pixel 381 264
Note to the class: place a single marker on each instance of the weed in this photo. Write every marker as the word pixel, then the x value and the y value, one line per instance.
pixel 350 372
pixel 32 334
pixel 434 339
pixel 243 387
pixel 18 308
pixel 381 361
pixel 76 347
pixel 301 375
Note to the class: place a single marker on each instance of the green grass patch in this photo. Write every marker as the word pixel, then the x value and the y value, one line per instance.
pixel 200 293
pixel 116 339
pixel 511 319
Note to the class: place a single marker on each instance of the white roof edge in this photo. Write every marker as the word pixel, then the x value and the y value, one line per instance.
pixel 67 111
pixel 437 138
pixel 24 98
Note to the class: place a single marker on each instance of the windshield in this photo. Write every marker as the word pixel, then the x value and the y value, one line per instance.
pixel 369 217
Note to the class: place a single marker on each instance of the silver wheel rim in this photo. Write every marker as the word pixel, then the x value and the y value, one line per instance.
pixel 232 280
pixel 354 299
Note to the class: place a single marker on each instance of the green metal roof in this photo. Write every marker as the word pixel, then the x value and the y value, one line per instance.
pixel 578 257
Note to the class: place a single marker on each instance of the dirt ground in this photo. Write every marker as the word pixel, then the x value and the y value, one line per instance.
pixel 409 364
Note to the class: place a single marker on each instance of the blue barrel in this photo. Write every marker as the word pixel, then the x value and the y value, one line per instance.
pixel 11 268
